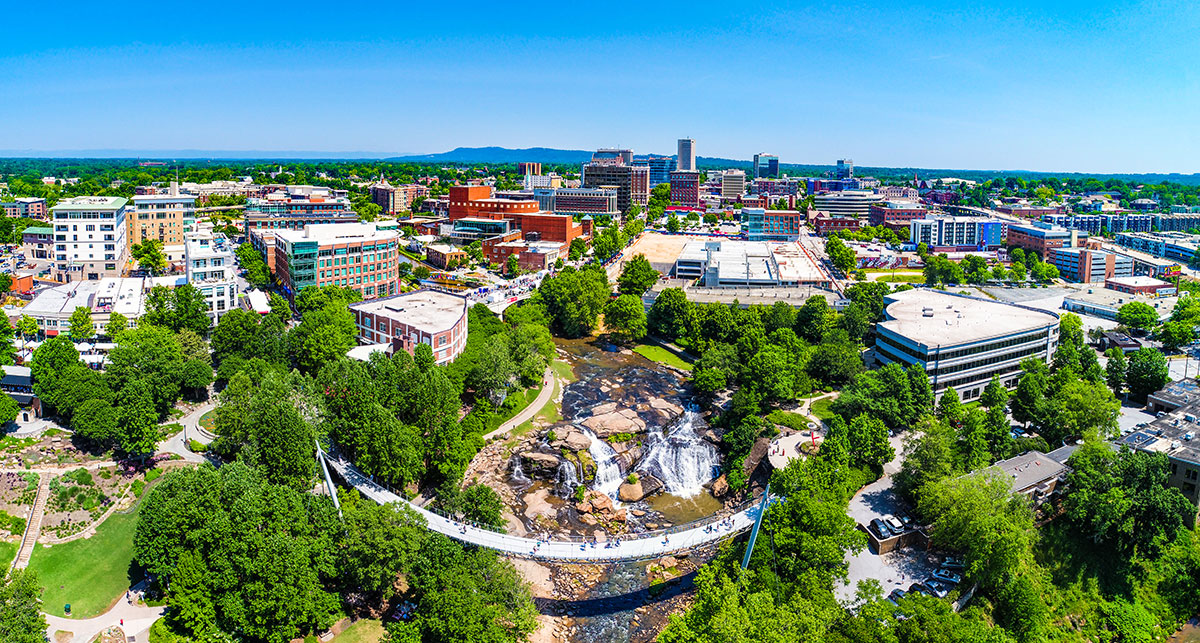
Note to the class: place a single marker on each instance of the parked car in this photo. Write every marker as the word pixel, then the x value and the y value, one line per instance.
pixel 936 587
pixel 881 529
pixel 897 594
pixel 946 575
pixel 953 562
pixel 918 588
pixel 895 524
pixel 907 520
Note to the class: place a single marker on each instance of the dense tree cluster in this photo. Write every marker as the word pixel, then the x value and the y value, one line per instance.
pixel 574 298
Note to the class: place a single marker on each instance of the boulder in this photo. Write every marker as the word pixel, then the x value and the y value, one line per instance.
pixel 668 562
pixel 620 515
pixel 602 503
pixel 540 465
pixel 631 492
pixel 604 409
pixel 650 484
pixel 589 520
pixel 609 424
pixel 584 507
pixel 720 487
pixel 638 512
pixel 575 440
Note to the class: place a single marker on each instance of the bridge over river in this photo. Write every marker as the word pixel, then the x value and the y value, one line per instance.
pixel 644 546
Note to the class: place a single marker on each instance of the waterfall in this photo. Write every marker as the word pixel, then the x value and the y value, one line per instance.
pixel 608 472
pixel 518 471
pixel 567 477
pixel 680 458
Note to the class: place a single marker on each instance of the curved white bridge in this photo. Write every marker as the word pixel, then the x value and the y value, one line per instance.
pixel 644 546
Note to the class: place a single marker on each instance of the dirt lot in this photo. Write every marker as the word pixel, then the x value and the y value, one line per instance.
pixel 660 249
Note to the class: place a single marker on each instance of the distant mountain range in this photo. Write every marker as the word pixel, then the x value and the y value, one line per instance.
pixel 191 154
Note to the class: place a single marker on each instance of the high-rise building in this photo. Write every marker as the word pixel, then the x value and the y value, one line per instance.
pixel 766 166
pixel 526 168
pixel 613 156
pixel 632 182
pixel 164 217
pixel 89 238
pixel 686 156
pixel 845 168
pixel 660 168
pixel 352 255
pixel 733 184
pixel 685 188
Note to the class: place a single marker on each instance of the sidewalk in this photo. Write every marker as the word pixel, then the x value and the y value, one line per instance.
pixel 530 411
pixel 138 620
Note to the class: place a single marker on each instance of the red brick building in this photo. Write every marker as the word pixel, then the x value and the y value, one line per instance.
pixel 825 224
pixel 421 317
pixel 442 255
pixel 1140 285
pixel 896 212
pixel 476 202
pixel 685 188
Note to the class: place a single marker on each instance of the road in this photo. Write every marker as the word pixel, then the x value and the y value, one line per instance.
pixel 638 547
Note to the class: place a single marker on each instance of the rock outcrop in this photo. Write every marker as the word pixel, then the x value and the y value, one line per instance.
pixel 646 485
pixel 540 465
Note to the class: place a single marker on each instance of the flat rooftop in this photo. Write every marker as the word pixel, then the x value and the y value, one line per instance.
pixel 428 310
pixel 1097 296
pixel 1140 281
pixel 1173 434
pixel 91 203
pixel 1185 391
pixel 113 294
pixel 337 233
pixel 932 317
pixel 1029 469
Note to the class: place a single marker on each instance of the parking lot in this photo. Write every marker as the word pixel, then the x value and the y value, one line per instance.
pixel 897 569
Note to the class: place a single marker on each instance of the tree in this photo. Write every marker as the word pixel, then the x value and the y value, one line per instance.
pixel 1114 371
pixel 117 323
pixel 1029 401
pixel 1147 372
pixel 322 336
pixel 869 442
pixel 815 319
pixel 150 257
pixel 994 394
pixel 1177 334
pixel 138 422
pixel 81 324
pixel 669 316
pixel 21 617
pixel 1137 315
pixel 98 421
pixel 929 456
pixel 512 266
pixel 625 318
pixel 771 374
pixel 841 256
pixel 421 272
pixel 949 408
pixel 637 276
pixel 27 327
pixel 577 249
pixel 574 299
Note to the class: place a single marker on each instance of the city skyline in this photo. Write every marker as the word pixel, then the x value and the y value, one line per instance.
pixel 1097 87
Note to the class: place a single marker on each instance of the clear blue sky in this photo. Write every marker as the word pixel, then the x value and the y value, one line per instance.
pixel 1059 86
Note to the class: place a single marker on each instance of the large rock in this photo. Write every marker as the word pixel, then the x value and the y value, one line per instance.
pixel 631 492
pixel 608 424
pixel 575 440
pixel 650 484
pixel 720 487
pixel 540 465
pixel 602 503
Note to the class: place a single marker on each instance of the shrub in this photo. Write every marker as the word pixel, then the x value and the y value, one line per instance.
pixel 197 447
pixel 632 478
pixel 138 486
pixel 618 438
pixel 79 477
pixel 153 474
pixel 580 493
pixel 551 435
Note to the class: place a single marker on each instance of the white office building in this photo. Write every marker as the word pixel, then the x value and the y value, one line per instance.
pixel 89 238
pixel 963 341
pixel 686 157
pixel 211 269
pixel 733 184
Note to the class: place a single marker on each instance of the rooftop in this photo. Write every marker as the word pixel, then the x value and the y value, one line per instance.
pixel 1029 469
pixel 92 203
pixel 1185 391
pixel 337 233
pixel 428 310
pixel 114 294
pixel 1173 434
pixel 1139 281
pixel 1109 298
pixel 933 317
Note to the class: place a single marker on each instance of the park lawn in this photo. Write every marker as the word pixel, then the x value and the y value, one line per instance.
pixel 8 551
pixel 901 279
pixel 820 408
pixel 89 573
pixel 662 356
pixel 367 630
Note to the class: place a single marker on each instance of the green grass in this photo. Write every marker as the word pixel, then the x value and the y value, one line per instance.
pixel 901 279
pixel 793 421
pixel 8 551
pixel 820 408
pixel 662 356
pixel 364 631
pixel 89 573
pixel 208 420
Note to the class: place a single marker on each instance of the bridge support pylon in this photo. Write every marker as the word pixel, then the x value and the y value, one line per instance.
pixel 762 511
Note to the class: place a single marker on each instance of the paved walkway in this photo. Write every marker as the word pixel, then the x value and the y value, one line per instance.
pixel 138 620
pixel 528 413
pixel 637 547
pixel 33 528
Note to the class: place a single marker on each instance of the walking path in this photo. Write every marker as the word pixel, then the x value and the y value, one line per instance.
pixel 137 619
pixel 529 412
pixel 646 546
pixel 33 528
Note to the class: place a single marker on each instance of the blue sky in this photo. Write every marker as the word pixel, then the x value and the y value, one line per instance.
pixel 1077 86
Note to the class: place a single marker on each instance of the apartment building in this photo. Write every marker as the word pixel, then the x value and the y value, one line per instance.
pixel 895 212
pixel 25 207
pixel 211 269
pixel 89 238
pixel 1042 237
pixel 436 319
pixel 293 210
pixel 685 188
pixel 163 217
pixel 957 234
pixel 1084 265
pixel 395 199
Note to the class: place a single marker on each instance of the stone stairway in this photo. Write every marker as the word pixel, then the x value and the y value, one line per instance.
pixel 34 528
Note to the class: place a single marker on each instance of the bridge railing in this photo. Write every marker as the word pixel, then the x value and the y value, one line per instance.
pixel 641 535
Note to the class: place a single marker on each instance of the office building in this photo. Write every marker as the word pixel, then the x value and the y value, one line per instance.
pixel 395 199
pixel 962 342
pixel 660 168
pixel 351 255
pixel 527 169
pixel 733 184
pixel 534 181
pixel 579 201
pixel 895 213
pixel 1174 434
pixel 685 188
pixel 1042 237
pixel 631 182
pixel 1084 265
pixel 442 255
pixel 211 269
pixel 613 156
pixel 957 234
pixel 850 203
pixel 436 319
pixel 89 238
pixel 777 187
pixel 25 207
pixel 902 192
pixel 759 224
pixel 766 166
pixel 730 263
pixel 686 155
pixel 823 223
pixel 1104 303
pixel 845 168
pixel 819 186
pixel 282 210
